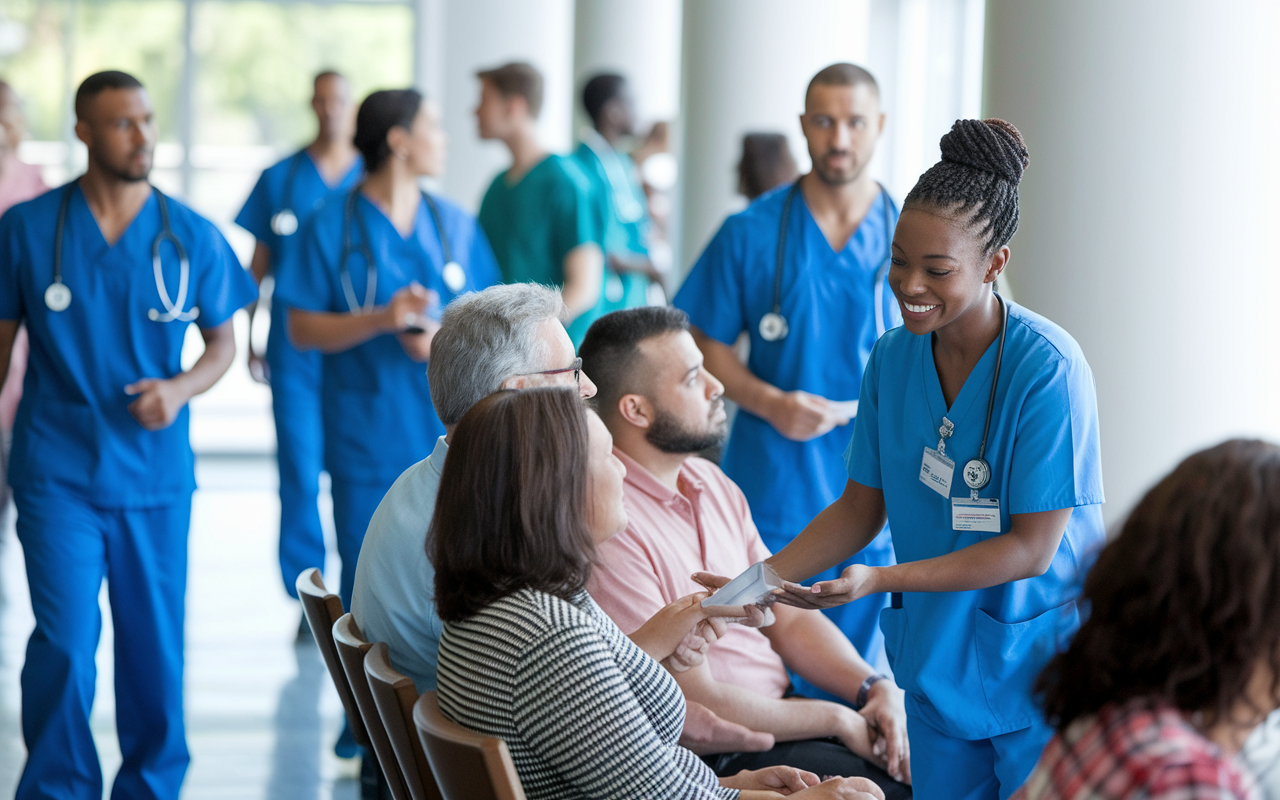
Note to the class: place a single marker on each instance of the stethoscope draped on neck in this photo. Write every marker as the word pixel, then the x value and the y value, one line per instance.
pixel 773 325
pixel 455 278
pixel 284 222
pixel 58 296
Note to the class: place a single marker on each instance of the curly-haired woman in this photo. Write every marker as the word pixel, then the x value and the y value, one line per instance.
pixel 1180 657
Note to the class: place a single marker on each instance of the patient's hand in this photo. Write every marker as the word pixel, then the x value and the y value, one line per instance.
pixel 756 616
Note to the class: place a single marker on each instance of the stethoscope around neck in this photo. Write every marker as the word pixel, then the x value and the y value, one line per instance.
pixel 284 222
pixel 455 278
pixel 773 325
pixel 977 472
pixel 58 296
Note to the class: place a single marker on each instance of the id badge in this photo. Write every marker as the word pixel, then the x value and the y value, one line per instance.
pixel 936 471
pixel 982 514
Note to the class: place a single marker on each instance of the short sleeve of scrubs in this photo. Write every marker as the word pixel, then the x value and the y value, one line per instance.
pixel 712 294
pixel 862 457
pixel 225 287
pixel 1055 465
pixel 573 217
pixel 303 282
pixel 255 216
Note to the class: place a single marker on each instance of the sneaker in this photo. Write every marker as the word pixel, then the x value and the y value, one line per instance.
pixel 346 746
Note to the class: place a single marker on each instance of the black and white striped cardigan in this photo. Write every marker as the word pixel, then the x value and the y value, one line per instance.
pixel 585 713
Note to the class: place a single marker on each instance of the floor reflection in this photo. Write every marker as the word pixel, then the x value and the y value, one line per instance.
pixel 262 714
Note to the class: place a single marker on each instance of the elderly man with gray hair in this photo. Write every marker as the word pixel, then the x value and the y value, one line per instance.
pixel 505 337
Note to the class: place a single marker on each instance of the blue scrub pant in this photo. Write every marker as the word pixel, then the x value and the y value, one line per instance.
pixel 859 620
pixel 70 546
pixel 295 401
pixel 963 769
pixel 353 507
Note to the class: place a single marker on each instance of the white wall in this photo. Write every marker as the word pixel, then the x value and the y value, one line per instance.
pixel 1146 211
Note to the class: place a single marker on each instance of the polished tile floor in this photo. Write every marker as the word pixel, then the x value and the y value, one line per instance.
pixel 262 714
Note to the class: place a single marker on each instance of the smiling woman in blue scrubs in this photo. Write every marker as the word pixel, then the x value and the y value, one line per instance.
pixel 102 468
pixel 376 267
pixel 988 570
pixel 283 200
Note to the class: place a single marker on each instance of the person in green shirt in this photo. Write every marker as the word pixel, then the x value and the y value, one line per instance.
pixel 617 194
pixel 537 213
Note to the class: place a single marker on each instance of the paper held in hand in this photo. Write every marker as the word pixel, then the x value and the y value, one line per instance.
pixel 846 408
pixel 750 588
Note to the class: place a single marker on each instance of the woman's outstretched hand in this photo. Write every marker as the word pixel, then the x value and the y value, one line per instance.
pixel 857 581
pixel 682 627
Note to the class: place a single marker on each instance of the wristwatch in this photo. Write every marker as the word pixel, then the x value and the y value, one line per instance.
pixel 865 689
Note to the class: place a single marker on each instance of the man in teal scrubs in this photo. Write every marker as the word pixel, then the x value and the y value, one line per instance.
pixel 616 191
pixel 537 214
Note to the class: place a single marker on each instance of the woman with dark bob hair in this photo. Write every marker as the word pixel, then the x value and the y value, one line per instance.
pixel 1180 657
pixel 530 488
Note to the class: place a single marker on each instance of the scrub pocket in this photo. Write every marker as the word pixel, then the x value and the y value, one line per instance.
pixel 1011 656
pixel 893 622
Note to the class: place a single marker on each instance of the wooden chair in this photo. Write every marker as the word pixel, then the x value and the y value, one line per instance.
pixel 322 609
pixel 467 765
pixel 351 648
pixel 394 694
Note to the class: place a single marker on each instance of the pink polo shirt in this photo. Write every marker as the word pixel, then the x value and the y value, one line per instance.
pixel 706 527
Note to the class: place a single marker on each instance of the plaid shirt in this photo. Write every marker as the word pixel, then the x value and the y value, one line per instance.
pixel 1142 749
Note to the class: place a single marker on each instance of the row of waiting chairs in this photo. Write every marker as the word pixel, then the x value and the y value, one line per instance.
pixel 421 755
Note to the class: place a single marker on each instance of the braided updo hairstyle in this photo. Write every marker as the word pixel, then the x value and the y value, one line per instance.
pixel 977 178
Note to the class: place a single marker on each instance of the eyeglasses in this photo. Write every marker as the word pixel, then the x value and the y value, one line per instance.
pixel 575 368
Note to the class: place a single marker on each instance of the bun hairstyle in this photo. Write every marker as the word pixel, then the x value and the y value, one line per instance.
pixel 378 114
pixel 982 164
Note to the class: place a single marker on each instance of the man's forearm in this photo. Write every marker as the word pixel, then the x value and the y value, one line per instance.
pixel 786 720
pixel 583 279
pixel 219 352
pixel 811 645
pixel 8 334
pixel 334 333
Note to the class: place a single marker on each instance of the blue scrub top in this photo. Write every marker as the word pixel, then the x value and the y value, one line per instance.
pixel 828 299
pixel 378 415
pixel 73 431
pixel 967 660
pixel 302 194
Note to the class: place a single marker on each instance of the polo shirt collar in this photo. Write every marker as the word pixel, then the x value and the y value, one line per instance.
pixel 645 481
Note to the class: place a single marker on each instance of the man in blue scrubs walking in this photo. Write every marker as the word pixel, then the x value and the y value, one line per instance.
pixel 102 468
pixel 811 331
pixel 281 202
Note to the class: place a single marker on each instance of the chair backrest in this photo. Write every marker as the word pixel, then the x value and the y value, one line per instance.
pixel 351 651
pixel 395 694
pixel 466 764
pixel 322 608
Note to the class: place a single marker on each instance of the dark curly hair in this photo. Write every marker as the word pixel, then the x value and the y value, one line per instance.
pixel 1185 603
pixel 977 178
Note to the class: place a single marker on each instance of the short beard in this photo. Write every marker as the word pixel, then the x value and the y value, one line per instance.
pixel 668 435
pixel 124 175
pixel 835 179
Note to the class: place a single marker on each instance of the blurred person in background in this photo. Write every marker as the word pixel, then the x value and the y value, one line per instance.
pixel 102 468
pixel 1179 659
pixel 18 182
pixel 284 198
pixel 812 307
pixel 766 164
pixel 616 191
pixel 538 213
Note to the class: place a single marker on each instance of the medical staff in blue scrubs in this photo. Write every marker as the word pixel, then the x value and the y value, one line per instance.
pixel 812 320
pixel 978 437
pixel 107 273
pixel 377 266
pixel 616 192
pixel 283 200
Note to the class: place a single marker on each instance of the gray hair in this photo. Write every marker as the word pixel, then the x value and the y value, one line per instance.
pixel 484 338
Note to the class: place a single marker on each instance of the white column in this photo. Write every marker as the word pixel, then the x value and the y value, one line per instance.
pixel 746 66
pixel 639 39
pixel 1147 212
pixel 477 34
